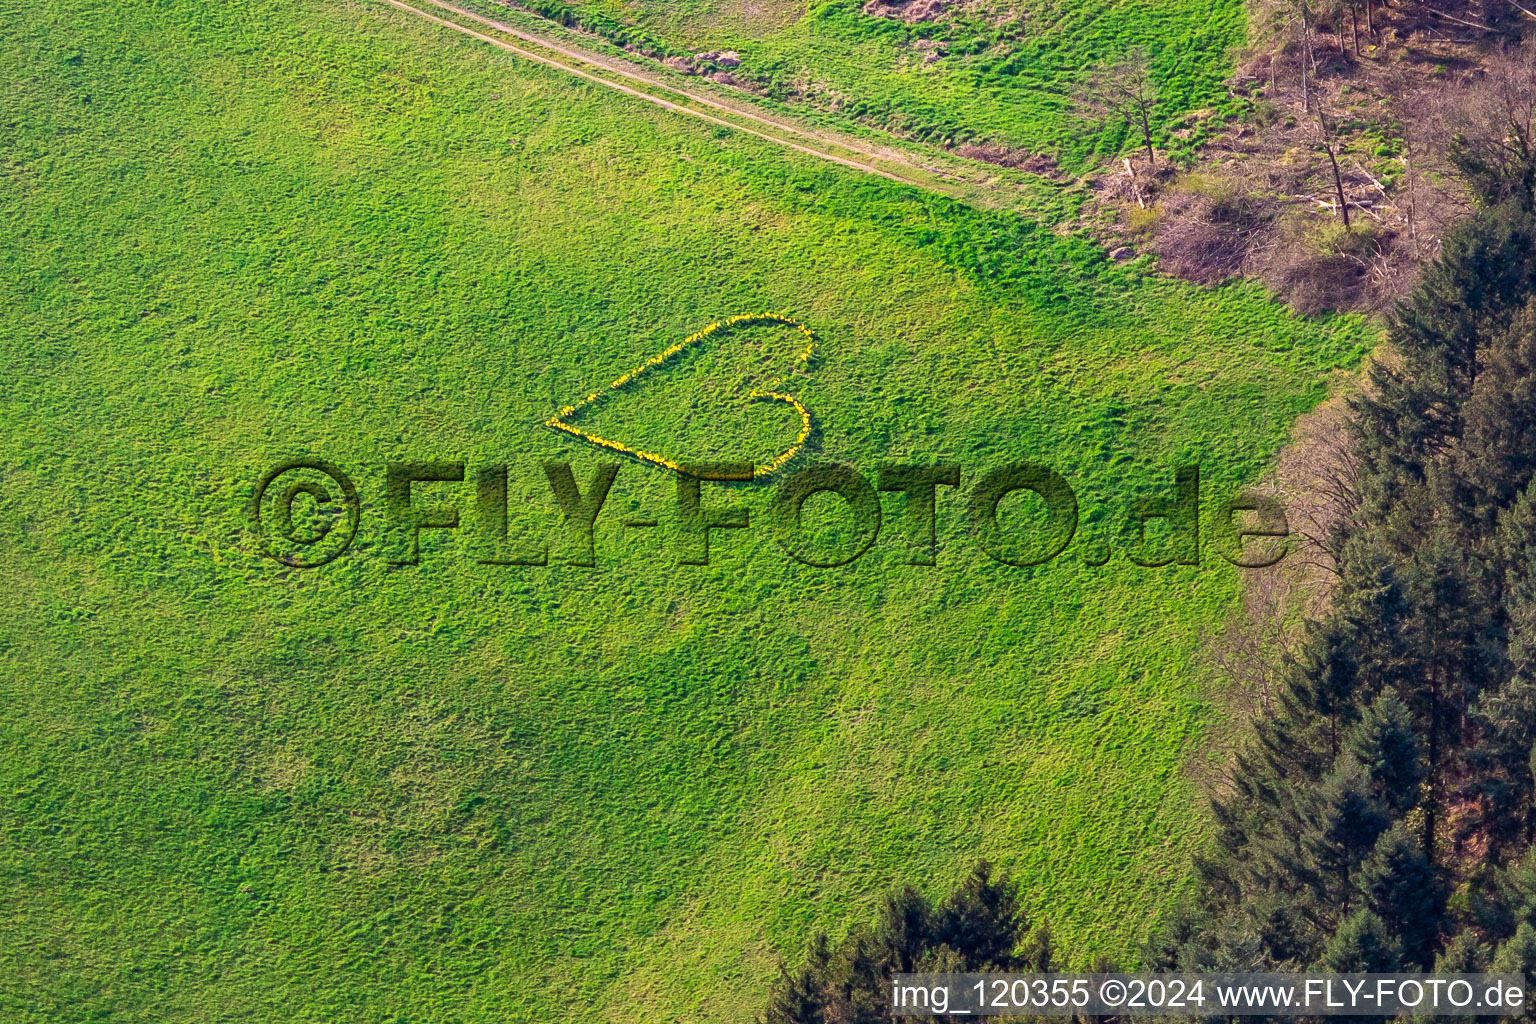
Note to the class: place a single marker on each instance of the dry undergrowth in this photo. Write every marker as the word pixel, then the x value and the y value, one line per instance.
pixel 1314 481
pixel 1343 110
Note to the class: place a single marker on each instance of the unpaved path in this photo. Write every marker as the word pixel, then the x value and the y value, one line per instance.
pixel 844 150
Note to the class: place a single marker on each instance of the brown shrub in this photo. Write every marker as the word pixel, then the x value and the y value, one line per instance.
pixel 1004 156
pixel 1196 249
pixel 1316 284
pixel 1209 226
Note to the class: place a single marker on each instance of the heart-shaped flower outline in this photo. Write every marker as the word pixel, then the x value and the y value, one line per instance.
pixel 561 420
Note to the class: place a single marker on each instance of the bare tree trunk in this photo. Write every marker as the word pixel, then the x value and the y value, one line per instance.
pixel 1306 100
pixel 1370 16
pixel 1306 49
pixel 1354 27
pixel 1434 770
pixel 1310 31
pixel 1338 182
pixel 1410 179
pixel 1522 10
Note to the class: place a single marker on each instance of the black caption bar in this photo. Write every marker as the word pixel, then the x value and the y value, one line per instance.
pixel 1191 995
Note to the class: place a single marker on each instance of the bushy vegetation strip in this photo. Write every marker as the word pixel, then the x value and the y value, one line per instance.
pixel 1383 816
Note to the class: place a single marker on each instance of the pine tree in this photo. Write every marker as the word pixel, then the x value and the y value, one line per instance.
pixel 1517 954
pixel 796 999
pixel 1464 954
pixel 980 920
pixel 1398 885
pixel 904 931
pixel 1362 946
pixel 1412 409
pixel 979 926
pixel 1388 751
pixel 1340 824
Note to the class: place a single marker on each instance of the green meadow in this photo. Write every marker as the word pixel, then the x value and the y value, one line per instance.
pixel 238 234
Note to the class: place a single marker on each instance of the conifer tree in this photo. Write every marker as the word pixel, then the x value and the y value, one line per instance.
pixel 980 926
pixel 1398 885
pixel 1361 946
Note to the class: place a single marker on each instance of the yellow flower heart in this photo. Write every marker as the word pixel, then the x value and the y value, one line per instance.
pixel 562 419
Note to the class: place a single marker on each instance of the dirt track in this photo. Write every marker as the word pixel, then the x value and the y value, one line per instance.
pixel 595 67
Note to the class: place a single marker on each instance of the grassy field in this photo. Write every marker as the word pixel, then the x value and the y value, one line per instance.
pixel 240 233
pixel 984 70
